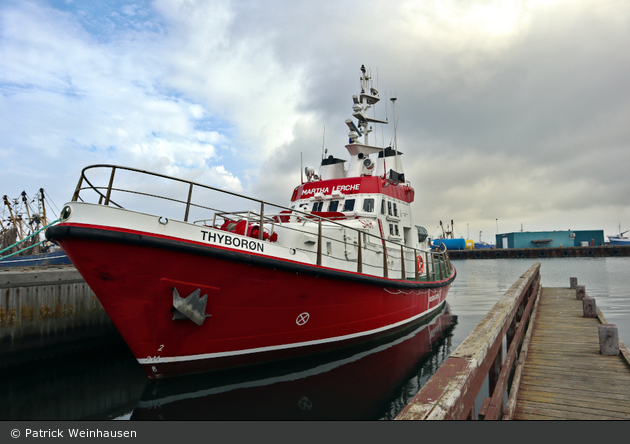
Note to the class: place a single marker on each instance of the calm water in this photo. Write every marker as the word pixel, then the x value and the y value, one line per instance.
pixel 368 384
pixel 480 283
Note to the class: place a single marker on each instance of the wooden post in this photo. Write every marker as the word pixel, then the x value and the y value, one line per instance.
pixel 511 331
pixel 471 413
pixel 580 292
pixel 484 408
pixel 589 307
pixel 573 282
pixel 426 264
pixel 608 340
pixel 495 370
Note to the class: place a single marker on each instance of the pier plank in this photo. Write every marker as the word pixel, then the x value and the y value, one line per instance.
pixel 542 411
pixel 589 398
pixel 565 377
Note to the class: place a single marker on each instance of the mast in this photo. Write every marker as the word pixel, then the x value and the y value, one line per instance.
pixel 28 212
pixel 41 192
pixel 364 104
pixel 367 97
pixel 15 224
pixel 393 99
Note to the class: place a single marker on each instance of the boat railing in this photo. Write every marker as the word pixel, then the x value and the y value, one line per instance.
pixel 250 217
pixel 429 265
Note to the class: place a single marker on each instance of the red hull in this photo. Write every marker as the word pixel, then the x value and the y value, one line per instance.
pixel 356 384
pixel 254 302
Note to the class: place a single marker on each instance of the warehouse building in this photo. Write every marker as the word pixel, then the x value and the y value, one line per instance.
pixel 551 239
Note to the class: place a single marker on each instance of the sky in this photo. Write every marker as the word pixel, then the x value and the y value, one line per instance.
pixel 512 115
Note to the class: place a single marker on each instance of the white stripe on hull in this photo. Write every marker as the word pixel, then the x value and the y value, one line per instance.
pixel 160 359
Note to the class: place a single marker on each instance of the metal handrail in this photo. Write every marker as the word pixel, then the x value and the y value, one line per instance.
pixel 444 268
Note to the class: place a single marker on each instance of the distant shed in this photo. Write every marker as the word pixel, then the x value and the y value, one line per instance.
pixel 551 239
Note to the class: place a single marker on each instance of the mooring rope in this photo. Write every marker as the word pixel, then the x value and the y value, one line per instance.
pixel 25 239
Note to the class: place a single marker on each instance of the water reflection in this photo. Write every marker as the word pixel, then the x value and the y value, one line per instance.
pixel 362 383
pixel 100 383
pixel 376 383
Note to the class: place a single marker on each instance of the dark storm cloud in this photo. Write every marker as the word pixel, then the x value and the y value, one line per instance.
pixel 515 111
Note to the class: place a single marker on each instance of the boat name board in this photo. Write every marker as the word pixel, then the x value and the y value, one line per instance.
pixel 434 295
pixel 328 190
pixel 230 241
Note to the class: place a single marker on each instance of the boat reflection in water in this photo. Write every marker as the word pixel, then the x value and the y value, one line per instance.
pixel 371 382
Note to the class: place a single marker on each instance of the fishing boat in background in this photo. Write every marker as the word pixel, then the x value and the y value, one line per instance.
pixel 619 239
pixel 446 239
pixel 220 287
pixel 22 241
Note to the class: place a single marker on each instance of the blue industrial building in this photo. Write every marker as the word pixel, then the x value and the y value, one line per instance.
pixel 551 239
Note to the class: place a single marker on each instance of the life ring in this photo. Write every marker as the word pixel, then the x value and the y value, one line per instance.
pixel 565 253
pixel 420 264
pixel 590 253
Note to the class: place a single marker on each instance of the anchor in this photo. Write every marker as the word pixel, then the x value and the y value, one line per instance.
pixel 191 307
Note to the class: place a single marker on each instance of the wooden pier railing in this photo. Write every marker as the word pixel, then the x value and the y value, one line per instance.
pixel 451 392
pixel 563 361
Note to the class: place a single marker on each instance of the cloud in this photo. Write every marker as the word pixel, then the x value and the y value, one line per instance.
pixel 506 110
pixel 68 97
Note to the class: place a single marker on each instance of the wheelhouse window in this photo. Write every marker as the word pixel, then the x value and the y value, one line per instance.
pixel 391 229
pixel 383 206
pixel 395 211
pixel 349 205
pixel 368 205
pixel 317 206
pixel 389 208
pixel 333 205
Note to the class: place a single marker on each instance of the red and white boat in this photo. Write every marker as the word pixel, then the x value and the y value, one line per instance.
pixel 217 288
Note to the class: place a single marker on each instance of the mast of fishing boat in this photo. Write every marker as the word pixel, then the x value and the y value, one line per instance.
pixel 41 200
pixel 28 212
pixel 15 224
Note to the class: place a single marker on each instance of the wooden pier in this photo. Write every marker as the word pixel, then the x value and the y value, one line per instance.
pixel 565 376
pixel 563 361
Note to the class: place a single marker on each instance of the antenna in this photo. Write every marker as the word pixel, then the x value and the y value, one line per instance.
pixel 323 143
pixel 393 99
